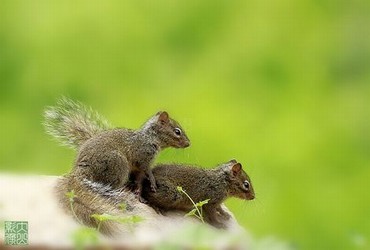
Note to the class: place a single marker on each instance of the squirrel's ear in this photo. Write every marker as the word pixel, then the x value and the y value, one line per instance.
pixel 163 117
pixel 236 168
pixel 233 161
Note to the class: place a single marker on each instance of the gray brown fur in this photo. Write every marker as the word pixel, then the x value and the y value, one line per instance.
pixel 72 123
pixel 200 184
pixel 92 198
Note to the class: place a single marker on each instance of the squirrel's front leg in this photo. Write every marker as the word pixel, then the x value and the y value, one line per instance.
pixel 145 168
pixel 139 177
pixel 150 176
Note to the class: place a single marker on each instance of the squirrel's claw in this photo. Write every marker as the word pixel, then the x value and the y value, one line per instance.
pixel 137 193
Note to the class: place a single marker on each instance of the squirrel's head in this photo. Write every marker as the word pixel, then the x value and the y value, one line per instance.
pixel 239 181
pixel 169 131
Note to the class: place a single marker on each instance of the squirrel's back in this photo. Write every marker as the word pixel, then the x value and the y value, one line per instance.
pixel 199 183
pixel 72 123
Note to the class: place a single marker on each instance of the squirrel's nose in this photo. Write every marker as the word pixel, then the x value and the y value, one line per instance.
pixel 186 144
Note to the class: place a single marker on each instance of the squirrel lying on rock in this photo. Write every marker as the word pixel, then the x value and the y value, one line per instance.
pixel 226 180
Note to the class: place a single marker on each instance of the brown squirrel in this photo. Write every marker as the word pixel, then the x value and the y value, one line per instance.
pixel 110 156
pixel 226 180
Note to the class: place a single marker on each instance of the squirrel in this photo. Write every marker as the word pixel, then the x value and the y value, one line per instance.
pixel 112 156
pixel 226 180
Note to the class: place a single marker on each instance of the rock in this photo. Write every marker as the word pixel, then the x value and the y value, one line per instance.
pixel 32 198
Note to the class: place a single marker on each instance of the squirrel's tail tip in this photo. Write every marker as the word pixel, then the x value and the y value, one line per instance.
pixel 72 123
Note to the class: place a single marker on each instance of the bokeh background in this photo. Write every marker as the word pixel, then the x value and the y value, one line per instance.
pixel 280 85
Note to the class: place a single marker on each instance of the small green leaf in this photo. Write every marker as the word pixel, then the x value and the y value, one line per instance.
pixel 201 203
pixel 102 217
pixel 71 195
pixel 130 219
pixel 180 189
pixel 191 213
pixel 119 219
pixel 136 219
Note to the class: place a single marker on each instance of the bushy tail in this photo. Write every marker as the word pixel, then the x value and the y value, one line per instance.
pixel 83 200
pixel 72 123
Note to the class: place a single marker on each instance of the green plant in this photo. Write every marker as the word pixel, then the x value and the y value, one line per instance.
pixel 122 206
pixel 197 210
pixel 85 235
pixel 71 196
pixel 123 220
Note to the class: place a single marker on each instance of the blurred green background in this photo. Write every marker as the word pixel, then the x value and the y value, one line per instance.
pixel 280 85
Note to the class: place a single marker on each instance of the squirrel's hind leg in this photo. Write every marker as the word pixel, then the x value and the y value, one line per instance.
pixel 138 179
pixel 106 166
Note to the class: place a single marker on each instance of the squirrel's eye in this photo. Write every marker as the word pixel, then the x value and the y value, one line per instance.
pixel 177 131
pixel 246 184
